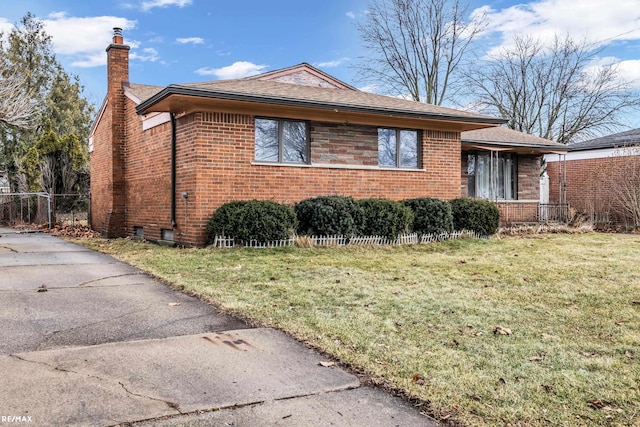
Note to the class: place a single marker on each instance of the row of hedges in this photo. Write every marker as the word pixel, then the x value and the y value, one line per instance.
pixel 266 221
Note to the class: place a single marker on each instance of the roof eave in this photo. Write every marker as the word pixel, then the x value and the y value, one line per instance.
pixel 542 149
pixel 604 147
pixel 235 96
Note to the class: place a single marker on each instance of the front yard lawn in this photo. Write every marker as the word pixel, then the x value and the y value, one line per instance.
pixel 542 330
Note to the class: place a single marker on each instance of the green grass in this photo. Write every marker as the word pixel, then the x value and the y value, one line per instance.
pixel 421 319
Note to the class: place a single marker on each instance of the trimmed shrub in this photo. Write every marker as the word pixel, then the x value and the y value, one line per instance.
pixel 385 218
pixel 328 216
pixel 430 216
pixel 481 216
pixel 260 220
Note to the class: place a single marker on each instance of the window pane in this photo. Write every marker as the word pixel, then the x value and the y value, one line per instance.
pixel 498 170
pixel 483 177
pixel 387 147
pixel 267 140
pixel 408 149
pixel 471 175
pixel 511 175
pixel 294 142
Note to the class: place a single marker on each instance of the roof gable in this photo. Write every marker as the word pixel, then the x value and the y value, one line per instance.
pixel 304 75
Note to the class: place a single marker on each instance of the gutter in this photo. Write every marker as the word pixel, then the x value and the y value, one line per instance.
pixel 174 224
pixel 292 102
pixel 553 148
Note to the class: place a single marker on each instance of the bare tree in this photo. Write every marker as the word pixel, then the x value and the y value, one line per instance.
pixel 555 91
pixel 416 45
pixel 48 169
pixel 17 107
pixel 624 181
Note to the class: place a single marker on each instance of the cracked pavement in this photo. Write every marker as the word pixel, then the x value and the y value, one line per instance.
pixel 107 345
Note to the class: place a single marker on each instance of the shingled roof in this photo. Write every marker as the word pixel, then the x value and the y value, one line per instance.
pixel 617 140
pixel 277 93
pixel 143 92
pixel 501 136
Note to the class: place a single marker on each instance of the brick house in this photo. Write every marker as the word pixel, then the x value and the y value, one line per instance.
pixel 592 173
pixel 164 158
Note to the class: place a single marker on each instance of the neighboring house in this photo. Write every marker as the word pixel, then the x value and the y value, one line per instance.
pixel 595 175
pixel 164 158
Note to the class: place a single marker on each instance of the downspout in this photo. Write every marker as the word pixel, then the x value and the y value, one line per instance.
pixel 174 224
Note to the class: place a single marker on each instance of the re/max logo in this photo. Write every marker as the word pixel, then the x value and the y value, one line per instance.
pixel 17 419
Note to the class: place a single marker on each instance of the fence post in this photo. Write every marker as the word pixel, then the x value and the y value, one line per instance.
pixel 49 208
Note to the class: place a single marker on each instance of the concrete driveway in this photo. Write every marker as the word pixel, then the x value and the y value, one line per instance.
pixel 87 340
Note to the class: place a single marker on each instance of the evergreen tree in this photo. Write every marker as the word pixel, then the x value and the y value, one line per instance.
pixel 28 52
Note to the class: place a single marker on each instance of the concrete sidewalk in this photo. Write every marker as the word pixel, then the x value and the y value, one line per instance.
pixel 107 345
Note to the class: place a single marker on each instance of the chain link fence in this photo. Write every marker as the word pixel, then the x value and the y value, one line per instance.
pixel 70 209
pixel 20 209
pixel 42 209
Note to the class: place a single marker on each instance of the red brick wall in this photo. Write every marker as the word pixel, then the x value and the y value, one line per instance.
pixel 215 164
pixel 333 143
pixel 107 159
pixel 148 176
pixel 528 177
pixel 517 212
pixel 101 172
pixel 217 154
pixel 590 184
pixel 464 173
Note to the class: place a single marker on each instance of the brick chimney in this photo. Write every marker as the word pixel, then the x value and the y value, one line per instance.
pixel 117 78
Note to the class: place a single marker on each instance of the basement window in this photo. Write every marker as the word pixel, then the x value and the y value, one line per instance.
pixel 138 232
pixel 281 141
pixel 166 234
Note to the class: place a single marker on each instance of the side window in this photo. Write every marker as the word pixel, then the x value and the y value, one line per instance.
pixel 281 141
pixel 397 148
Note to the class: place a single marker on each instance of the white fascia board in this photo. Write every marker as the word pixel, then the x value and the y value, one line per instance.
pixel 602 153
pixel 148 120
pixel 154 119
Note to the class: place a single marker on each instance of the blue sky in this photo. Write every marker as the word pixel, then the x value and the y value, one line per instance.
pixel 176 41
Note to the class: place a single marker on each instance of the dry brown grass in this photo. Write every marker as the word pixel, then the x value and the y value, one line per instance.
pixel 427 319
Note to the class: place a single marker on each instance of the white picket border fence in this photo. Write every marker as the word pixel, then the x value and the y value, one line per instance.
pixel 224 242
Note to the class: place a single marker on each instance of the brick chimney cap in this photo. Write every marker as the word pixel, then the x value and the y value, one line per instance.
pixel 117 31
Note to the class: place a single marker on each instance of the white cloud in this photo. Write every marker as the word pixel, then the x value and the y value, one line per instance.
pixel 372 88
pixel 593 20
pixel 237 70
pixel 148 5
pixel 97 59
pixel 331 64
pixel 5 26
pixel 83 39
pixel 351 15
pixel 630 71
pixel 148 54
pixel 194 40
pixel 627 70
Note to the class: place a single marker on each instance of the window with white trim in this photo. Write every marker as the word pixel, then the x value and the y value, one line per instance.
pixel 398 148
pixel 281 141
